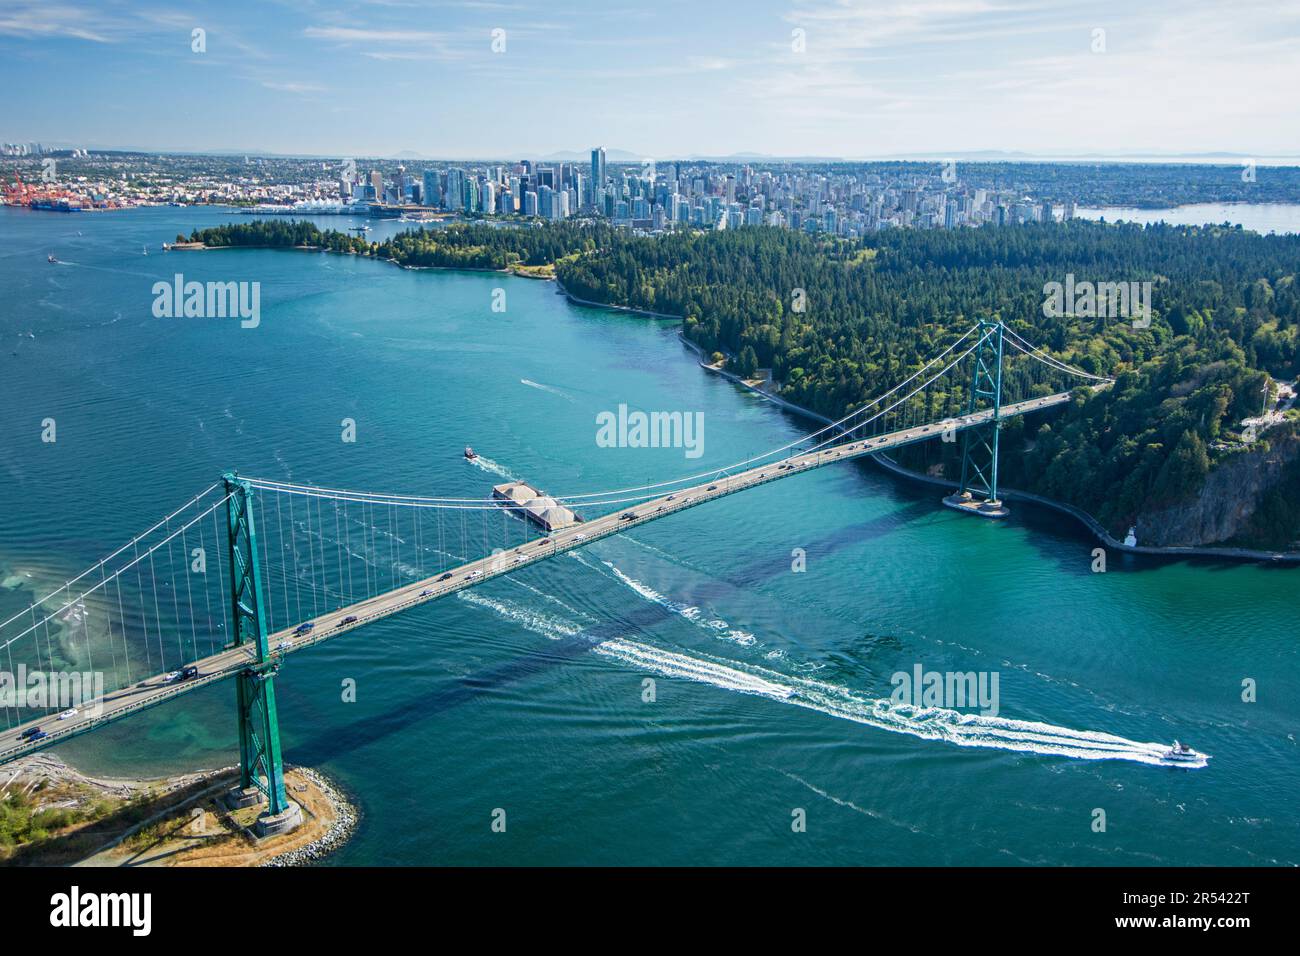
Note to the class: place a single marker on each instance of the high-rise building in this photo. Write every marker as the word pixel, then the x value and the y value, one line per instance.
pixel 377 184
pixel 597 169
pixel 454 197
pixel 432 188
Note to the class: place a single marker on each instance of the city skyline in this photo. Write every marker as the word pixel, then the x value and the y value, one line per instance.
pixel 805 79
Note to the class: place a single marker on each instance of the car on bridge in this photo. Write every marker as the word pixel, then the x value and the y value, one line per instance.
pixel 68 714
pixel 188 672
pixel 39 735
pixel 350 619
pixel 29 732
pixel 304 628
pixel 445 577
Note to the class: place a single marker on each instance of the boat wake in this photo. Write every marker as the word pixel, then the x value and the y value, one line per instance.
pixel 547 388
pixel 927 723
pixel 492 468
pixel 716 626
pixel 546 625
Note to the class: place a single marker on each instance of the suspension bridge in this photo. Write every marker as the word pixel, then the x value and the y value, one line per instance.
pixel 252 569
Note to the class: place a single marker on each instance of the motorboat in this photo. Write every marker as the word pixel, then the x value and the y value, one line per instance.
pixel 470 454
pixel 1182 752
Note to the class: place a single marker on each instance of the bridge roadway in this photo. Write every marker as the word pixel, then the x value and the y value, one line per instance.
pixel 156 690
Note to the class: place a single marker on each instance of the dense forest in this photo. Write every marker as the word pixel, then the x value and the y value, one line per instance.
pixel 1225 320
pixel 457 246
pixel 837 322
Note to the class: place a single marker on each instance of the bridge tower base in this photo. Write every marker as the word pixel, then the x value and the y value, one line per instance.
pixel 287 820
pixel 238 798
pixel 261 769
pixel 984 508
pixel 977 494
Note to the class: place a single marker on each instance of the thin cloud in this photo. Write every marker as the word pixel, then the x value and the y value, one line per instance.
pixel 300 89
pixel 358 35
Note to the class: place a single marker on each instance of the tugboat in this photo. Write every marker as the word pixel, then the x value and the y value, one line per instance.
pixel 1182 752
pixel 470 454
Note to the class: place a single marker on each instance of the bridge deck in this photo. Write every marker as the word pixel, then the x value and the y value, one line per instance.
pixel 156 690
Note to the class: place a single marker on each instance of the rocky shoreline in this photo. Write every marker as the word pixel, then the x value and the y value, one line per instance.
pixel 47 770
pixel 346 817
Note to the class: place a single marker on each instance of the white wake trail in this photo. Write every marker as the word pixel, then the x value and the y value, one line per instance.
pixel 547 388
pixel 491 467
pixel 928 723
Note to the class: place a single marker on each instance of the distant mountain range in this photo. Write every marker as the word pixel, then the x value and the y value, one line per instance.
pixel 623 156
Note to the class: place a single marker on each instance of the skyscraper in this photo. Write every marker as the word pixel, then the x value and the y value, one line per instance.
pixel 597 170
pixel 432 188
pixel 454 197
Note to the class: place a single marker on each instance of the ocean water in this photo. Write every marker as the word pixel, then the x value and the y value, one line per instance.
pixel 1275 217
pixel 528 694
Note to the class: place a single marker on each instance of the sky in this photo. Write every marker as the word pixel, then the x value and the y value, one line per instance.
pixel 486 79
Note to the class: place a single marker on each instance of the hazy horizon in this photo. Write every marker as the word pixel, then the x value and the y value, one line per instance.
pixel 824 79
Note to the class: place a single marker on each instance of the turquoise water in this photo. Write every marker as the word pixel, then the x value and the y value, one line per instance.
pixel 526 694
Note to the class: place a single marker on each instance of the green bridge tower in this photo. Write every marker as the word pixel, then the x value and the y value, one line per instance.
pixel 261 769
pixel 978 491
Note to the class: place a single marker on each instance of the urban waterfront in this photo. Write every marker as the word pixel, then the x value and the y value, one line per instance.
pixel 527 693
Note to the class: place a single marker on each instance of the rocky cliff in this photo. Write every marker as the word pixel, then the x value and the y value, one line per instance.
pixel 1223 509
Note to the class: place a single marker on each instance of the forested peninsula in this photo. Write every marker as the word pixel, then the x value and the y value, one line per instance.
pixel 1195 444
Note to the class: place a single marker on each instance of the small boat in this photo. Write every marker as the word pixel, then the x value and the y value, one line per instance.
pixel 1180 751
pixel 470 454
pixel 51 260
pixel 145 249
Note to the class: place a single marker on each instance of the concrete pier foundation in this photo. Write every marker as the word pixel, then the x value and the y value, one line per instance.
pixel 984 508
pixel 238 799
pixel 288 819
